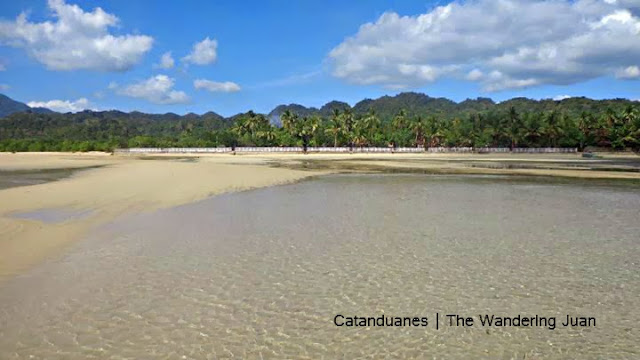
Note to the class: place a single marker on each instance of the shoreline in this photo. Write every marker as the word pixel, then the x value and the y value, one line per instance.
pixel 108 186
pixel 120 186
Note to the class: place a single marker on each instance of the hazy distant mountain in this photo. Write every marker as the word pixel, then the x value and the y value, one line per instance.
pixel 9 106
pixel 274 115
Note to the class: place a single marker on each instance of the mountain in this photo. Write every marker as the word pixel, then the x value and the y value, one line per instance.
pixel 328 108
pixel 9 106
pixel 414 104
pixel 417 104
pixel 274 115
pixel 43 130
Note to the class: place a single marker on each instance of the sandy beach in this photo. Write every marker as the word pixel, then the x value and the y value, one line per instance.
pixel 120 186
pixel 117 185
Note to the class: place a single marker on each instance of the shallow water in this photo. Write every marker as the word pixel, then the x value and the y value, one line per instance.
pixel 13 178
pixel 263 273
pixel 53 215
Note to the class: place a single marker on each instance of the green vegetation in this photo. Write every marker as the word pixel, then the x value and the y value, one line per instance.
pixel 408 119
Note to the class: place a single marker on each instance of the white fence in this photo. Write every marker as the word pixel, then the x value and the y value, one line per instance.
pixel 545 150
pixel 172 150
pixel 299 149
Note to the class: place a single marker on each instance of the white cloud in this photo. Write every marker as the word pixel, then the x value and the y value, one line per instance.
pixel 630 72
pixel 562 97
pixel 166 61
pixel 75 39
pixel 474 75
pixel 156 89
pixel 63 106
pixel 502 44
pixel 215 86
pixel 203 53
pixel 4 87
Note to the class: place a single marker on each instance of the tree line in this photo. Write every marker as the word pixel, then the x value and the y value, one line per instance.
pixel 87 131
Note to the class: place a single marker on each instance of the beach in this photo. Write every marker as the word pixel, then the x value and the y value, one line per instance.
pixel 103 187
pixel 283 272
pixel 117 187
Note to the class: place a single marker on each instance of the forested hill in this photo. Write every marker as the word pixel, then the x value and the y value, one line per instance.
pixel 407 119
pixel 415 104
pixel 9 106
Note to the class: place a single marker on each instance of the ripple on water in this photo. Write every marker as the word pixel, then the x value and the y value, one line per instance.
pixel 261 274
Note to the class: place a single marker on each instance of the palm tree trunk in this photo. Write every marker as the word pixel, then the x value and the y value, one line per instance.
pixel 335 140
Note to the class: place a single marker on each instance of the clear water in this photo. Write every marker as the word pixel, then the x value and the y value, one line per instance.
pixel 261 274
pixel 53 215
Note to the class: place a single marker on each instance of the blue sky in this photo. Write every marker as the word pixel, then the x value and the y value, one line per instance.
pixel 259 54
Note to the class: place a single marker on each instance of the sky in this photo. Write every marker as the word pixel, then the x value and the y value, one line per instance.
pixel 235 56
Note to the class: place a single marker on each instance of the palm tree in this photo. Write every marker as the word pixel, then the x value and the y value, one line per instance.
pixel 359 136
pixel 251 124
pixel 267 134
pixel 532 128
pixel 400 120
pixel 630 136
pixel 495 129
pixel 335 126
pixel 288 119
pixel 434 131
pixel 301 128
pixel 585 124
pixel 512 129
pixel 347 125
pixel 307 129
pixel 417 128
pixel 553 129
pixel 371 123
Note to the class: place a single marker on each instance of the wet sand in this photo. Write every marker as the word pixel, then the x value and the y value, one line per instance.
pixel 133 184
pixel 123 185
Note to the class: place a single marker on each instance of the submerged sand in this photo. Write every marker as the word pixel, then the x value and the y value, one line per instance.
pixel 122 185
pixel 133 184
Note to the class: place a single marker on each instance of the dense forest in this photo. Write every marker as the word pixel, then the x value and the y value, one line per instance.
pixel 408 119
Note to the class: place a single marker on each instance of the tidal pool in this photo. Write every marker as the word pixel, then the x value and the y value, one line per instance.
pixel 263 273
pixel 13 178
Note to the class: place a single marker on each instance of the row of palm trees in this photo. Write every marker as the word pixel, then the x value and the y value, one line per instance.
pixel 511 129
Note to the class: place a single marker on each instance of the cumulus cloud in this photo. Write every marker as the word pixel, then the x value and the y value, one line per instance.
pixel 166 61
pixel 156 89
pixel 631 72
pixel 75 39
pixel 203 53
pixel 215 86
pixel 63 106
pixel 474 75
pixel 502 44
pixel 561 97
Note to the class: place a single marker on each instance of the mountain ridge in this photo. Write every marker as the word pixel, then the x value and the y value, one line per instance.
pixel 413 103
pixel 9 106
